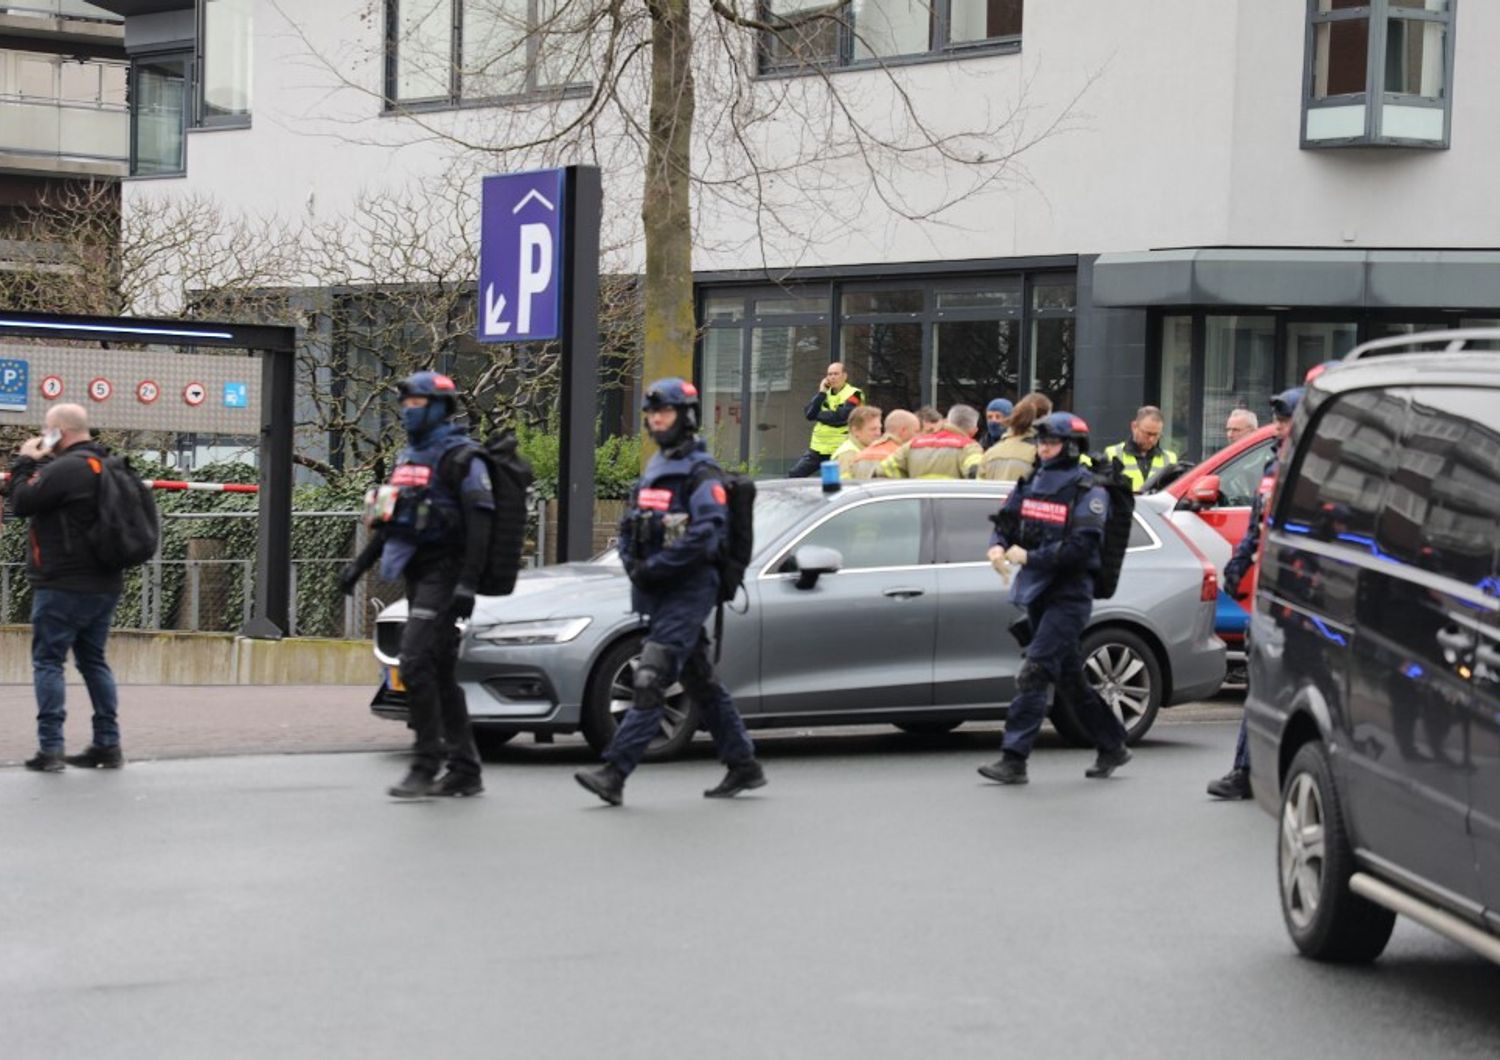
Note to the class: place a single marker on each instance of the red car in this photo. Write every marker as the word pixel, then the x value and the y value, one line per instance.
pixel 1213 511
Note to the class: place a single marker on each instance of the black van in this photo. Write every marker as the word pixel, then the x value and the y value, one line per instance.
pixel 1374 703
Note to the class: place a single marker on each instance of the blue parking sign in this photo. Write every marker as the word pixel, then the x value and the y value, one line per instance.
pixel 520 256
pixel 236 395
pixel 14 381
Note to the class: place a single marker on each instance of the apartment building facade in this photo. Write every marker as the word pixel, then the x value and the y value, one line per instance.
pixel 1201 200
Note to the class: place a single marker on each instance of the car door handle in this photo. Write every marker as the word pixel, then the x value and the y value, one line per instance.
pixel 901 593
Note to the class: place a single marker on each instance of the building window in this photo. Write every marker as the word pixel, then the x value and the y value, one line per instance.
pixel 225 56
pixel 1378 72
pixel 158 114
pixel 871 32
pixel 905 343
pixel 446 52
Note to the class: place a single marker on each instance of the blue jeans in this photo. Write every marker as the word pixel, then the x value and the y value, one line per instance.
pixel 62 620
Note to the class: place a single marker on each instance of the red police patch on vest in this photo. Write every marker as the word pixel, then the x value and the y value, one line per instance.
pixel 411 475
pixel 721 496
pixel 654 500
pixel 1045 511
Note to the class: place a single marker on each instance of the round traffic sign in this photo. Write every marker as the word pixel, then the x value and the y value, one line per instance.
pixel 100 389
pixel 146 391
pixel 52 387
pixel 194 394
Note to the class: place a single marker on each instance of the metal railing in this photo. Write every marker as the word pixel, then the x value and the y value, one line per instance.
pixel 217 594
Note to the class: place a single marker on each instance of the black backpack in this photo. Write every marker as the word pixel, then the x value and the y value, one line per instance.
pixel 125 532
pixel 1110 476
pixel 740 501
pixel 510 479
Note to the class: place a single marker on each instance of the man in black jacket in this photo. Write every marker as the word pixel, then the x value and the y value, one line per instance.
pixel 54 484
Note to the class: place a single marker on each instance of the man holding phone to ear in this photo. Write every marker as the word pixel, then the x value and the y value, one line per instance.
pixel 54 484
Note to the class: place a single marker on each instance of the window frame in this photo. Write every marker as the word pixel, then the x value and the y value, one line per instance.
pixel 943 52
pixel 1374 98
pixel 132 97
pixel 455 99
pixel 199 118
pixel 925 531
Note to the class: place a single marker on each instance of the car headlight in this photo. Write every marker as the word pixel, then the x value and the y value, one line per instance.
pixel 539 631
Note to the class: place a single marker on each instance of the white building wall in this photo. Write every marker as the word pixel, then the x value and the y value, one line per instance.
pixel 1185 134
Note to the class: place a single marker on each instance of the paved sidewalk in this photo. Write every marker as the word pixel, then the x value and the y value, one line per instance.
pixel 187 721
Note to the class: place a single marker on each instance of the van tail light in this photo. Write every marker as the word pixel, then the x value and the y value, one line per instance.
pixel 1209 591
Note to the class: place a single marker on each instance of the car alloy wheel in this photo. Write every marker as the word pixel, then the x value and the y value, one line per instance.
pixel 1302 851
pixel 676 711
pixel 1119 673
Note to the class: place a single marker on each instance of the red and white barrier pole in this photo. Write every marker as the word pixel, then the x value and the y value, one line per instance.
pixel 172 484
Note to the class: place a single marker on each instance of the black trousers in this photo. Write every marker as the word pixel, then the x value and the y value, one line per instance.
pixel 429 654
pixel 807 464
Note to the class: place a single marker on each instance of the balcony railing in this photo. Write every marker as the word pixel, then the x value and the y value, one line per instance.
pixel 60 9
pixel 94 132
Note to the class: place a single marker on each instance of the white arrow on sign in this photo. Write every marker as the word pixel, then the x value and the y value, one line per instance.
pixel 493 307
pixel 532 194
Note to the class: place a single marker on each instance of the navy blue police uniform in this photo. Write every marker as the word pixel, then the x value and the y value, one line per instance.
pixel 672 535
pixel 1059 516
pixel 433 537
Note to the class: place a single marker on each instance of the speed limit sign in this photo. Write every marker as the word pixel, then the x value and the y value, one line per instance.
pixel 146 391
pixel 100 389
pixel 52 387
pixel 194 394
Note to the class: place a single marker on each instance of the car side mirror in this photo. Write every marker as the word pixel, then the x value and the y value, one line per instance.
pixel 1205 492
pixel 814 561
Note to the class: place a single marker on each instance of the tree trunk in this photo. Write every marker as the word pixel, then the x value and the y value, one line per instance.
pixel 666 209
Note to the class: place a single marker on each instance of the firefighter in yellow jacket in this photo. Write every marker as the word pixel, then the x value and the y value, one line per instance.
pixel 829 412
pixel 948 452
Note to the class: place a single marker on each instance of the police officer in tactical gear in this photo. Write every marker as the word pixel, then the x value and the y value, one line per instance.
pixel 671 537
pixel 1236 783
pixel 1051 527
pixel 433 533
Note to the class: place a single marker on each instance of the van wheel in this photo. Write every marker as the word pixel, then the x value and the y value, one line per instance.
pixel 1326 920
pixel 611 692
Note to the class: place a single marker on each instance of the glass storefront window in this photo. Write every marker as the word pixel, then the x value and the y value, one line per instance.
pixel 998 297
pixel 788 304
pixel 1052 356
pixel 157 115
pixel 227 59
pixel 1239 371
pixel 1177 383
pixel 787 361
pixel 723 385
pixel 1312 344
pixel 975 361
pixel 885 361
pixel 891 301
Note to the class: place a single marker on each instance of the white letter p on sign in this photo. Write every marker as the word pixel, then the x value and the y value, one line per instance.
pixel 535 272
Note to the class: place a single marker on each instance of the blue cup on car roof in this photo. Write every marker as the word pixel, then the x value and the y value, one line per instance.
pixel 830 472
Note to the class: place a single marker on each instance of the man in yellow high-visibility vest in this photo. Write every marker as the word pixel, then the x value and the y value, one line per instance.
pixel 829 411
pixel 1142 455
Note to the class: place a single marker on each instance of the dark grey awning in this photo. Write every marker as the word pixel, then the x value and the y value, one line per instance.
pixel 1355 279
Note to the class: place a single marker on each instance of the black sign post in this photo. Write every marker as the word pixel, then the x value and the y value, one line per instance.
pixel 584 196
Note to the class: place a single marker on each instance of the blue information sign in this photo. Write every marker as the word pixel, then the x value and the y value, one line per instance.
pixel 236 395
pixel 520 257
pixel 14 380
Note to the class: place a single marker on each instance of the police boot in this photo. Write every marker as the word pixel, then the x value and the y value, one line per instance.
pixel 1232 785
pixel 1106 762
pixel 456 784
pixel 417 784
pixel 607 782
pixel 742 776
pixel 1007 769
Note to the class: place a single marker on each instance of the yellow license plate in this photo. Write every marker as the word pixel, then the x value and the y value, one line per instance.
pixel 397 685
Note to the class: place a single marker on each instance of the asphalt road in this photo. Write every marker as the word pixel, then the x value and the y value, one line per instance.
pixel 876 900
